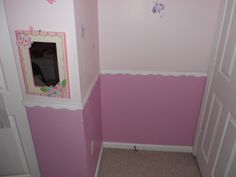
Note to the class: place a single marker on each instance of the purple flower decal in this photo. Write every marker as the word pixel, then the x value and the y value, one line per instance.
pixel 158 7
pixel 154 10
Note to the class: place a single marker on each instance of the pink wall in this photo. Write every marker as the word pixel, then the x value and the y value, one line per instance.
pixel 135 109
pixel 58 136
pixel 133 38
pixel 86 20
pixel 154 109
pixel 160 110
pixel 62 138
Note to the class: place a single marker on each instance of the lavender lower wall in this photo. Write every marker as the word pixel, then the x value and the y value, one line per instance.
pixel 58 136
pixel 151 109
pixel 62 138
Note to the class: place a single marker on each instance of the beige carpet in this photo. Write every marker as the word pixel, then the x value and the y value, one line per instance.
pixel 128 163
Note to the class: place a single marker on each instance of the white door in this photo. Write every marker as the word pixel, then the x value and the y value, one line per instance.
pixel 17 155
pixel 216 146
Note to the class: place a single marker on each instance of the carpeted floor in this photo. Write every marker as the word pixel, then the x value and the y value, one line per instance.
pixel 128 163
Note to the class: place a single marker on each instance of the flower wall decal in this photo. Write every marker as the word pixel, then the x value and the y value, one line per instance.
pixel 158 8
pixel 23 40
pixel 51 1
pixel 57 91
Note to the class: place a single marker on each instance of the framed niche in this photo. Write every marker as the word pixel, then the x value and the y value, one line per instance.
pixel 44 63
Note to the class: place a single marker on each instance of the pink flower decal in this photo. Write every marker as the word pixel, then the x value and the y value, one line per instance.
pixel 23 40
pixel 59 90
pixel 51 1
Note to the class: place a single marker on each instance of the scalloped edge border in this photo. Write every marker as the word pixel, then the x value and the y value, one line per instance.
pixel 146 73
pixel 72 105
pixel 54 104
pixel 59 103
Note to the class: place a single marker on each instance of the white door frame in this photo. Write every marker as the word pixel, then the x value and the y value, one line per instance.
pixel 11 90
pixel 211 67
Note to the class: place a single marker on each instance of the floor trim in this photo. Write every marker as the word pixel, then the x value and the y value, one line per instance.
pixel 148 147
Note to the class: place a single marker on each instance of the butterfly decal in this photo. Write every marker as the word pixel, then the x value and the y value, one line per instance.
pixel 158 7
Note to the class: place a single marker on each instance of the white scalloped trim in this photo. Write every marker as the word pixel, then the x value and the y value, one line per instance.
pixel 70 105
pixel 145 73
pixel 73 105
pixel 31 101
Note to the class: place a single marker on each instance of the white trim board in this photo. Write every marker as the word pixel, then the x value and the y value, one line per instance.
pixel 32 101
pixel 161 73
pixel 57 103
pixel 148 147
pixel 99 161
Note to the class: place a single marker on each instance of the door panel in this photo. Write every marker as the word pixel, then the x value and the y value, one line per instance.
pixel 225 154
pixel 211 126
pixel 11 151
pixel 4 120
pixel 216 147
pixel 17 155
pixel 233 168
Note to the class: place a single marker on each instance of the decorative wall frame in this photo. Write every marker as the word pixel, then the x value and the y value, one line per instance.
pixel 44 63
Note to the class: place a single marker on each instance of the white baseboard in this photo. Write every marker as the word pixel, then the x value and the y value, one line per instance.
pixel 99 162
pixel 148 147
